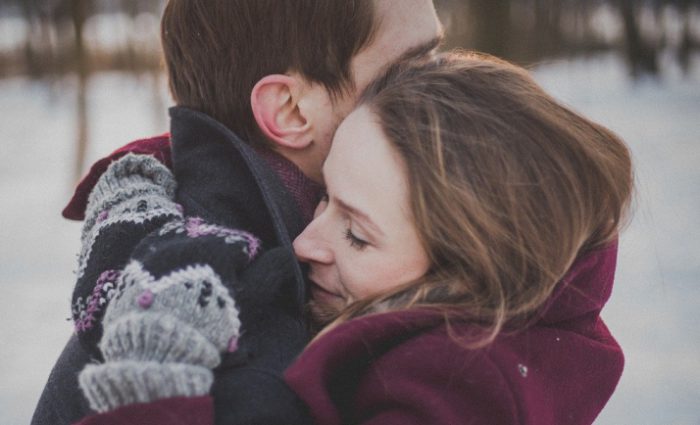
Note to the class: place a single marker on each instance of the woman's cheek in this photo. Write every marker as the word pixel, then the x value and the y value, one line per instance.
pixel 355 277
pixel 346 270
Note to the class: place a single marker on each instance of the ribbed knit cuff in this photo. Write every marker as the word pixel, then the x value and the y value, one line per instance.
pixel 159 337
pixel 111 385
pixel 129 177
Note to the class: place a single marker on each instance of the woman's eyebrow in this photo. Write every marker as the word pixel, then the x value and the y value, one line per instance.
pixel 360 215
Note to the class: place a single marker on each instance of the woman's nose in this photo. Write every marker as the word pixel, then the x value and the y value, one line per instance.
pixel 311 247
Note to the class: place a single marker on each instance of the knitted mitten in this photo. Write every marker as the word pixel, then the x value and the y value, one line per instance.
pixel 170 316
pixel 130 200
pixel 162 337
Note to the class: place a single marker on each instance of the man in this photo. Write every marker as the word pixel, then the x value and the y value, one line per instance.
pixel 275 76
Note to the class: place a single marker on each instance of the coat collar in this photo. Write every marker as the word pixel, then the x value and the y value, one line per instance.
pixel 223 180
pixel 396 346
pixel 584 289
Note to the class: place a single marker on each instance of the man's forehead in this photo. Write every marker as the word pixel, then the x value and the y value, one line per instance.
pixel 402 25
pixel 406 20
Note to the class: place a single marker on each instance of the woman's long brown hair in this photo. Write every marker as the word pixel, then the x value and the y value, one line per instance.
pixel 507 187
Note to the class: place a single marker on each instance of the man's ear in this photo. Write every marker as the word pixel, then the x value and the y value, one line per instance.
pixel 275 104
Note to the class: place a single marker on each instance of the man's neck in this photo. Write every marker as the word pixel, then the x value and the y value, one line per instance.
pixel 305 191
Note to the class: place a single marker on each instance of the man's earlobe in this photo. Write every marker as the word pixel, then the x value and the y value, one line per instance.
pixel 274 101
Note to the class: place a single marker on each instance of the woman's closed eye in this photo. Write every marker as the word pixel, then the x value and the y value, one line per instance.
pixel 355 242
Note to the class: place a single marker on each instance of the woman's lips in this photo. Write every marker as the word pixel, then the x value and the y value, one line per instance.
pixel 320 294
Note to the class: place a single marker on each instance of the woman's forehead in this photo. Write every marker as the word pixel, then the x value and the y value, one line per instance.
pixel 363 169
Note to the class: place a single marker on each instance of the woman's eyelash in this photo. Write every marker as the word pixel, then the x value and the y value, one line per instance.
pixel 355 242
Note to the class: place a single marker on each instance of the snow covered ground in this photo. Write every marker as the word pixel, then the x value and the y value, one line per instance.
pixel 37 246
pixel 653 310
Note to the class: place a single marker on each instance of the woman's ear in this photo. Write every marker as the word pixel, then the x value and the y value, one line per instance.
pixel 275 104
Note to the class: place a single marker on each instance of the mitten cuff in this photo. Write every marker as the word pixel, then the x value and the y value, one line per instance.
pixel 159 337
pixel 111 385
pixel 129 177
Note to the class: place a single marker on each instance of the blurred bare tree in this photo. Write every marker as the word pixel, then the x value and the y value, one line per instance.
pixel 56 42
pixel 66 38
pixel 527 31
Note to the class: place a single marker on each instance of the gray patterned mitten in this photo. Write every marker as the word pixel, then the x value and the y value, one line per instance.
pixel 131 199
pixel 162 336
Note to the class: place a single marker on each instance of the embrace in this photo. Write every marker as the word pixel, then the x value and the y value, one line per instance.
pixel 344 226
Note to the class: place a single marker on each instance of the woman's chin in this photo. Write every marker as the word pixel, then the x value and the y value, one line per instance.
pixel 322 296
pixel 324 306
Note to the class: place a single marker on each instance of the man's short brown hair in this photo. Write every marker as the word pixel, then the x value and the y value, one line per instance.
pixel 216 50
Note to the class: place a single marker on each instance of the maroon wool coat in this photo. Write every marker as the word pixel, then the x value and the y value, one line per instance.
pixel 403 368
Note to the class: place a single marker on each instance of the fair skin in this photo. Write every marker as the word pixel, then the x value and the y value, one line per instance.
pixel 363 240
pixel 300 117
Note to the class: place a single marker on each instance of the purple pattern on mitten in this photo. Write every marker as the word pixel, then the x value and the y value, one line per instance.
pixel 88 312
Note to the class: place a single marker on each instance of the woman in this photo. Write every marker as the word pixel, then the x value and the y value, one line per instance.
pixel 458 263
pixel 462 255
